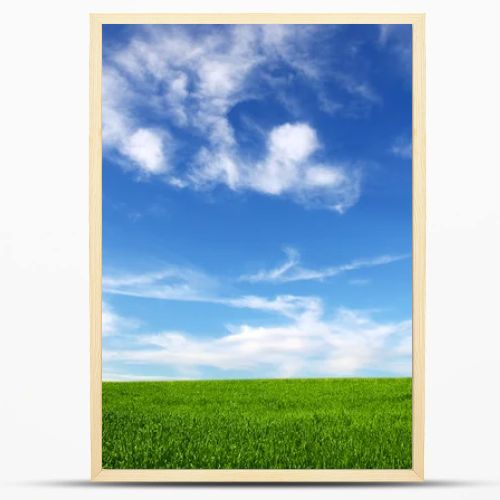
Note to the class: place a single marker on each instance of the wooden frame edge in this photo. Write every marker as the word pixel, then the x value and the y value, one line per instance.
pixel 257 476
pixel 416 474
pixel 95 241
pixel 257 18
pixel 419 245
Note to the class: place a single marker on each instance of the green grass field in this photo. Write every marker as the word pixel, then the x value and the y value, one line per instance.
pixel 258 424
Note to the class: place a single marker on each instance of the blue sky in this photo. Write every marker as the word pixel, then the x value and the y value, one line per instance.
pixel 256 201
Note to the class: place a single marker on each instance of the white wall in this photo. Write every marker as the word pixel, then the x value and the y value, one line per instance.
pixel 44 428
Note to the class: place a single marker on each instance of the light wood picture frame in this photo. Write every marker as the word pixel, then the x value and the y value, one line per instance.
pixel 416 473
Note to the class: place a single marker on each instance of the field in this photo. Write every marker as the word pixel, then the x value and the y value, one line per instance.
pixel 258 424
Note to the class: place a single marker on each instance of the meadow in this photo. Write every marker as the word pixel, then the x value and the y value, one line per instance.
pixel 362 423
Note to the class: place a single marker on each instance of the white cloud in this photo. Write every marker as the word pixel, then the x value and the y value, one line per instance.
pixel 203 76
pixel 145 147
pixel 309 345
pixel 294 143
pixel 292 260
pixel 404 347
pixel 175 98
pixel 290 306
pixel 288 169
pixel 308 342
pixel 215 167
pixel 291 270
pixel 290 147
pixel 170 283
pixel 114 324
pixel 111 376
pixel 187 285
pixel 319 176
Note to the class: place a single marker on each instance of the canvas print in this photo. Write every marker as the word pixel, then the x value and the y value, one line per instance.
pixel 257 246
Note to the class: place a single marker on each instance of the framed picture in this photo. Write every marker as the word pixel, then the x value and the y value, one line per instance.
pixel 257 247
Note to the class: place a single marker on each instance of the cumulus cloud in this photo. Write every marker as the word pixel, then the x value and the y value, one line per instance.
pixel 145 149
pixel 291 270
pixel 298 339
pixel 288 168
pixel 191 81
pixel 311 344
pixel 289 148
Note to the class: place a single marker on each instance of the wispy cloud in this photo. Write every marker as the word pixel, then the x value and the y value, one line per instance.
pixel 169 283
pixel 113 323
pixel 385 31
pixel 398 39
pixel 291 306
pixel 202 77
pixel 402 147
pixel 291 270
pixel 144 149
pixel 309 345
pixel 187 285
pixel 358 88
pixel 305 342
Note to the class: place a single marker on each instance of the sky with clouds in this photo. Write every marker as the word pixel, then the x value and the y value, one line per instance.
pixel 256 201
